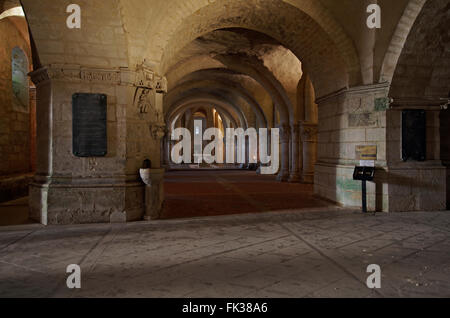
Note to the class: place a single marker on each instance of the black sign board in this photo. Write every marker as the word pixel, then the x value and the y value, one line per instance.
pixel 364 173
pixel 414 133
pixel 89 125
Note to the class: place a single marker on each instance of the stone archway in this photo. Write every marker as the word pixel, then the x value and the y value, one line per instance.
pixel 126 52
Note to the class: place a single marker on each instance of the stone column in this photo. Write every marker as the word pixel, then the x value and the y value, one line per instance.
pixel 309 141
pixel 32 129
pixel 283 175
pixel 44 112
pixel 294 175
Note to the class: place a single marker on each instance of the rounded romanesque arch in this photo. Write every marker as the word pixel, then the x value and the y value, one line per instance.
pixel 198 14
pixel 225 113
pixel 291 27
pixel 231 89
pixel 205 98
pixel 399 39
pixel 422 69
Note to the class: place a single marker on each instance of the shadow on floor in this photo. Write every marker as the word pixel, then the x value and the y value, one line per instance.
pixel 14 212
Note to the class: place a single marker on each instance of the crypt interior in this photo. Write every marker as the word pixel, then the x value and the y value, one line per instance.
pixel 302 66
pixel 137 70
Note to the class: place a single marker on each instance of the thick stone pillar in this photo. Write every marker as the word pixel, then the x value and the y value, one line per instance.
pixel 69 189
pixel 283 175
pixel 294 174
pixel 368 116
pixel 309 142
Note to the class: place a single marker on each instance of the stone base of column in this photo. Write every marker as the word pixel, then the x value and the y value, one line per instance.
pixel 283 176
pixel 55 201
pixel 294 178
pixel 308 178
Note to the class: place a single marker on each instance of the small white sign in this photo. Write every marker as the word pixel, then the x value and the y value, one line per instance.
pixel 367 163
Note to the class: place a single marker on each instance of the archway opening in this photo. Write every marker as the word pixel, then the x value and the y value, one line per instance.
pixel 251 81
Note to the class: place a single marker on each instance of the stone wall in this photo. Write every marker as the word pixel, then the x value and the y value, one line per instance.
pixel 348 119
pixel 364 116
pixel 415 186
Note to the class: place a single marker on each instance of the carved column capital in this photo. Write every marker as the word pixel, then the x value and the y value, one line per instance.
pixel 284 133
pixel 309 132
pixel 39 76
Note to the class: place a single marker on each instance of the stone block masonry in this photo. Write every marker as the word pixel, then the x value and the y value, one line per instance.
pixel 354 117
pixel 69 189
pixel 348 119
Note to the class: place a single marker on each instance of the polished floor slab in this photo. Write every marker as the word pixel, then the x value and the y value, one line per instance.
pixel 309 253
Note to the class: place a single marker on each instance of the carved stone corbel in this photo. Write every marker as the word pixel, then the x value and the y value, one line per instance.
pixel 308 132
pixel 148 79
pixel 157 130
pixel 285 131
pixel 161 85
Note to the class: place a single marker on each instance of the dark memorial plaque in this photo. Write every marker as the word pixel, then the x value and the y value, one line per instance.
pixel 89 125
pixel 414 133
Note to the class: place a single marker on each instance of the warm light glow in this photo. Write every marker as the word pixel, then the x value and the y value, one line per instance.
pixel 13 12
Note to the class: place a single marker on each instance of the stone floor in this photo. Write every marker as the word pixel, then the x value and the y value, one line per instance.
pixel 209 193
pixel 220 192
pixel 284 254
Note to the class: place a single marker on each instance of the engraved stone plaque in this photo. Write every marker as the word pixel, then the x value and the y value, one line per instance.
pixel 414 131
pixel 361 120
pixel 89 125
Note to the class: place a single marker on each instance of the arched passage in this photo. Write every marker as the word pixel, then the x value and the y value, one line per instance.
pixel 210 39
pixel 229 87
pixel 265 63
